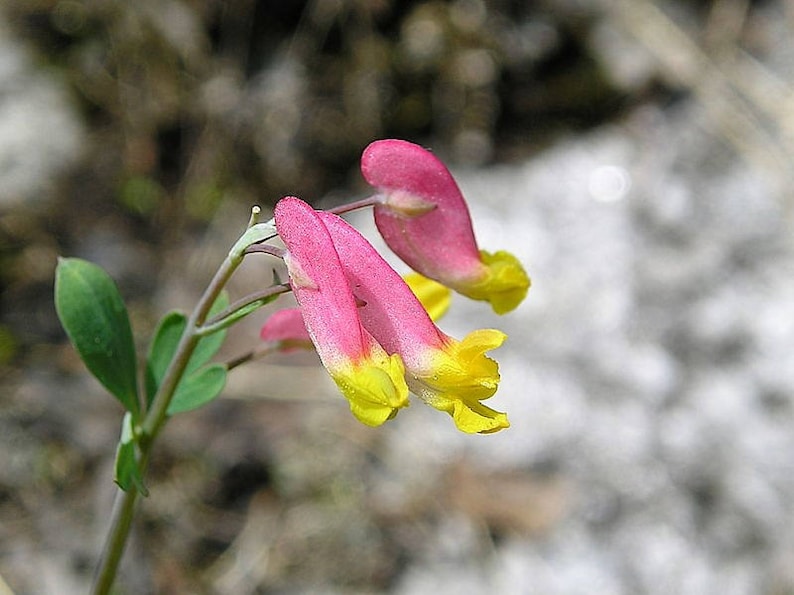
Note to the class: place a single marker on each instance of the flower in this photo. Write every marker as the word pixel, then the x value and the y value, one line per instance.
pixel 450 375
pixel 424 219
pixel 286 329
pixel 371 379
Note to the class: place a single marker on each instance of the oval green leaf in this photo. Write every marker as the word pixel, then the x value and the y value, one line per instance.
pixel 95 319
pixel 199 388
pixel 162 349
pixel 166 340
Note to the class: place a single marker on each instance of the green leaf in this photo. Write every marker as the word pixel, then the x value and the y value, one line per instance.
pixel 165 343
pixel 161 352
pixel 128 471
pixel 95 319
pixel 199 388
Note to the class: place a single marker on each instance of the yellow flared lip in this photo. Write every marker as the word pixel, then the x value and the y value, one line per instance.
pixel 375 387
pixel 504 283
pixel 459 376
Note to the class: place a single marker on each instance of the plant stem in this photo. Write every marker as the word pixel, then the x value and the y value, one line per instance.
pixel 260 296
pixel 123 510
pixel 249 356
pixel 124 507
pixel 158 411
pixel 370 201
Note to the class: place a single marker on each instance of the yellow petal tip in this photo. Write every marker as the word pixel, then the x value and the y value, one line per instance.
pixel 476 418
pixel 375 388
pixel 504 286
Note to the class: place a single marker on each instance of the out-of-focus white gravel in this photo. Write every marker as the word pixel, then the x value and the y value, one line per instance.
pixel 40 132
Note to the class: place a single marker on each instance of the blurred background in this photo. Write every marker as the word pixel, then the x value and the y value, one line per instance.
pixel 637 155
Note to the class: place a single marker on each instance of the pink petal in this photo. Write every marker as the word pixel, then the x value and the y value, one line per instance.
pixel 286 327
pixel 437 241
pixel 390 311
pixel 319 284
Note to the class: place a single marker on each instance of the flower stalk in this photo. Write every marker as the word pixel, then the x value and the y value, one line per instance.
pixel 157 414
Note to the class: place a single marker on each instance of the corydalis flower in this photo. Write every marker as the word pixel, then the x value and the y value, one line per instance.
pixel 424 219
pixel 372 380
pixel 450 375
pixel 286 330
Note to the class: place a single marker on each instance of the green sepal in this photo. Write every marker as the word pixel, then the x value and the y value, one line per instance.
pixel 128 471
pixel 95 319
pixel 255 234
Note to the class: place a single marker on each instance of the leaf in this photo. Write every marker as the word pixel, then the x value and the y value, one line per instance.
pixel 165 343
pixel 95 319
pixel 161 352
pixel 199 388
pixel 128 471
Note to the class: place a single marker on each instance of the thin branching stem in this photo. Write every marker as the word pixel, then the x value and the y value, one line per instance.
pixel 259 296
pixel 265 249
pixel 370 201
pixel 158 411
pixel 250 356
pixel 123 511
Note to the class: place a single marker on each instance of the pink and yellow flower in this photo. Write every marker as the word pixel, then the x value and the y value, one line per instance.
pixel 371 379
pixel 424 219
pixel 450 375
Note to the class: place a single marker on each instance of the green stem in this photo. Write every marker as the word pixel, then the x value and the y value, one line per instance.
pixel 220 320
pixel 124 508
pixel 121 520
pixel 158 411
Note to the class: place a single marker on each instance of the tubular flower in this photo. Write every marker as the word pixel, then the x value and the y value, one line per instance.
pixel 372 380
pixel 450 375
pixel 424 219
pixel 286 329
